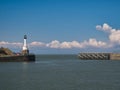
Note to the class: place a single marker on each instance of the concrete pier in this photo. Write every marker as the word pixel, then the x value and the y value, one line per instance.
pixel 99 56
pixel 20 58
pixel 114 56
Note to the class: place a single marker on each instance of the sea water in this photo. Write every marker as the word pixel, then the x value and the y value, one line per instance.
pixel 60 72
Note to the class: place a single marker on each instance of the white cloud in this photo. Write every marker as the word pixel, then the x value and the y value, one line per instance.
pixel 65 45
pixel 72 44
pixel 3 43
pixel 113 39
pixel 99 27
pixel 11 45
pixel 16 43
pixel 58 44
pixel 105 27
pixel 114 34
pixel 76 44
pixel 35 43
pixel 94 43
pixel 53 44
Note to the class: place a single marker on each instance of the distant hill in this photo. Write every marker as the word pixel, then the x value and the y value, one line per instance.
pixel 5 51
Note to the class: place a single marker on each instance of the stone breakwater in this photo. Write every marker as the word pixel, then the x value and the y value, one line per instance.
pixel 19 58
pixel 99 56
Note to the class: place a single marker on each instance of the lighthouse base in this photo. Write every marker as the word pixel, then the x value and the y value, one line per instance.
pixel 25 52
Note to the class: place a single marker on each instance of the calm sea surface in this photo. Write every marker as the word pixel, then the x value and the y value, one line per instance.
pixel 60 72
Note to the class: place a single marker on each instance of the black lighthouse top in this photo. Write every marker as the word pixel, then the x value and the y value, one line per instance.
pixel 25 36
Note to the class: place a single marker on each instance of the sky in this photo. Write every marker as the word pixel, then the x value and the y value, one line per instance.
pixel 60 26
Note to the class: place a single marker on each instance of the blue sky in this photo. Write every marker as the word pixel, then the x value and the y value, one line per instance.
pixel 59 26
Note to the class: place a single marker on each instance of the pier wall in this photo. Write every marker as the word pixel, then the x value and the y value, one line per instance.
pixel 99 56
pixel 114 56
pixel 20 58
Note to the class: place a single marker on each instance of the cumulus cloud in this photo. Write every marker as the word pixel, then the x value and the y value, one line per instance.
pixel 76 44
pixel 3 43
pixel 57 44
pixel 94 43
pixel 10 44
pixel 35 43
pixel 113 39
pixel 104 27
pixel 53 44
pixel 114 34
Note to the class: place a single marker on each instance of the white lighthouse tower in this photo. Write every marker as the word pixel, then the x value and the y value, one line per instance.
pixel 25 49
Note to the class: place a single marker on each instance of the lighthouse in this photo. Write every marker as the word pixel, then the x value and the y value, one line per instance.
pixel 25 49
